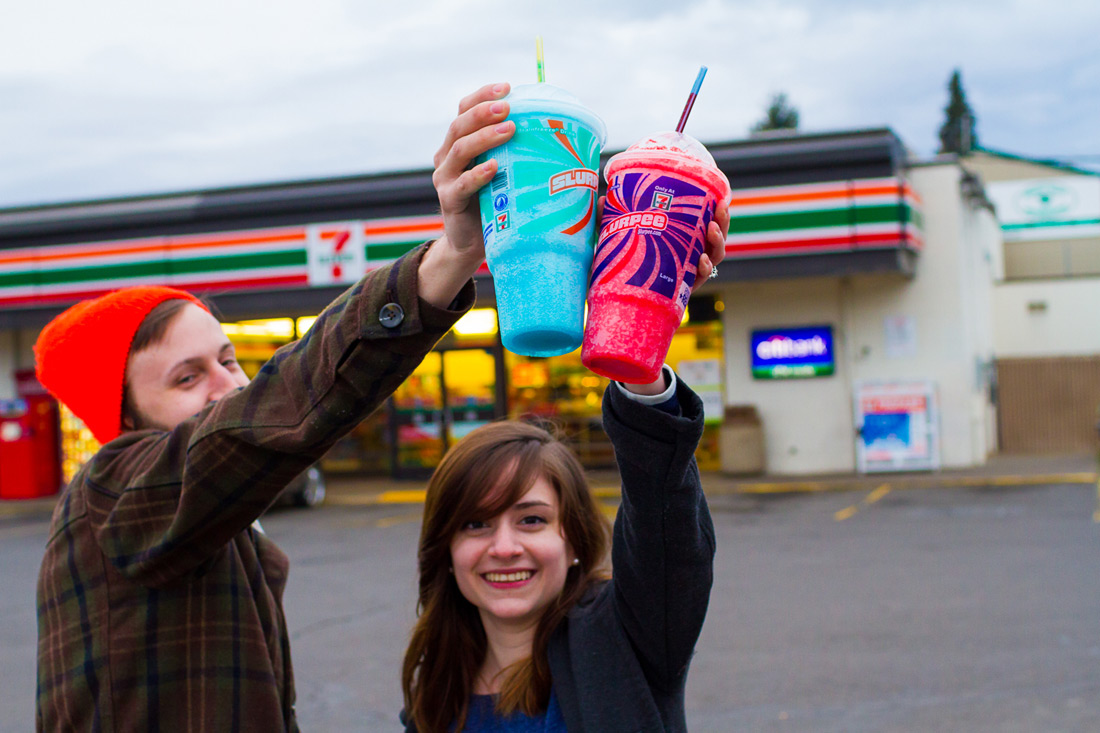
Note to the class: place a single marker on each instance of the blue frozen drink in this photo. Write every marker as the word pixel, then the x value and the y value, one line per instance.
pixel 538 217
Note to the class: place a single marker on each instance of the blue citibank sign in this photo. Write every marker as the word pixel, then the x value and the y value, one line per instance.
pixel 791 353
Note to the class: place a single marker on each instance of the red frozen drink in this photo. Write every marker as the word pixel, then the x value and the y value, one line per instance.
pixel 661 197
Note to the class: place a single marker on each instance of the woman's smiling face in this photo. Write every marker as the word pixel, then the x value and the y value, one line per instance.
pixel 513 565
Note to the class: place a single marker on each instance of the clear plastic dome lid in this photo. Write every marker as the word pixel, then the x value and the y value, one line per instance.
pixel 674 142
pixel 673 152
pixel 547 98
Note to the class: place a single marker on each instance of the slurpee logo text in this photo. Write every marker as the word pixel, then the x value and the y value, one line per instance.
pixel 645 220
pixel 576 178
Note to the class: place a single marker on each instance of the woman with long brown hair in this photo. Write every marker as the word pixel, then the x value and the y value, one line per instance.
pixel 520 626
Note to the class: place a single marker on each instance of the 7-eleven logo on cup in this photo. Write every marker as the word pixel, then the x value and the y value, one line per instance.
pixel 662 201
pixel 502 221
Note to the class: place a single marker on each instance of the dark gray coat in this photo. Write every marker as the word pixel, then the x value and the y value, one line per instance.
pixel 620 660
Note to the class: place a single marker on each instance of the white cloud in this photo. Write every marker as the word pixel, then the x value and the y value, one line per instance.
pixel 122 97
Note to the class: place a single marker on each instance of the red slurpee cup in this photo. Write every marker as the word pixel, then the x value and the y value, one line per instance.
pixel 661 197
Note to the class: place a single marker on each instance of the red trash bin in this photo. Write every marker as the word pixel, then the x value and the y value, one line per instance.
pixel 28 461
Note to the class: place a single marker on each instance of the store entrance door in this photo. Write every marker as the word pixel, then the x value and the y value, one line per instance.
pixel 451 393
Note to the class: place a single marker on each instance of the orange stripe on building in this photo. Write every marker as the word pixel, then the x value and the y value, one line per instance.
pixel 858 189
pixel 378 229
pixel 16 259
pixel 44 255
pixel 256 239
pixel 782 198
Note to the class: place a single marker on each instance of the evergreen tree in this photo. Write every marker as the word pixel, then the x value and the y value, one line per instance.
pixel 780 115
pixel 959 131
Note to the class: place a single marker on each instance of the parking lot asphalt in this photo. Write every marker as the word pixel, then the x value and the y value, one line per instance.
pixel 953 600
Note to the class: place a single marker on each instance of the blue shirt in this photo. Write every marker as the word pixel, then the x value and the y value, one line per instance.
pixel 482 718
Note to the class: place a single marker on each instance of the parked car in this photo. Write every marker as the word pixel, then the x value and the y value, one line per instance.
pixel 307 490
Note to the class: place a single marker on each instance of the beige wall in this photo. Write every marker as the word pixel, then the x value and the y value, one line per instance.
pixel 1049 301
pixel 1052 258
pixel 994 168
pixel 950 300
pixel 1047 318
pixel 809 425
pixel 1068 257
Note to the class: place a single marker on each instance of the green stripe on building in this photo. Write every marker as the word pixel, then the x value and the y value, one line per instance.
pixel 155 269
pixel 1041 224
pixel 813 219
pixel 289 258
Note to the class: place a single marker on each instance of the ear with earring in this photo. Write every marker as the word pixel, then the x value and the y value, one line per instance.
pixel 576 561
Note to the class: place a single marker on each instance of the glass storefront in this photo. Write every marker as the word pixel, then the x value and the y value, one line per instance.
pixel 467 381
pixel 560 389
pixel 77 444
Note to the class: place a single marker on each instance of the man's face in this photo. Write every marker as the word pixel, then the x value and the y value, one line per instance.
pixel 192 365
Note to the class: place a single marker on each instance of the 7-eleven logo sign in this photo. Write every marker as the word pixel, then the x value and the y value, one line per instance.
pixel 336 254
pixel 662 201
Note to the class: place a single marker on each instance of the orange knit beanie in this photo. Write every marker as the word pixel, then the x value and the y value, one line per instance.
pixel 80 356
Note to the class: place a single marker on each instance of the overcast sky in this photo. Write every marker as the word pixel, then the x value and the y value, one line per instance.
pixel 121 97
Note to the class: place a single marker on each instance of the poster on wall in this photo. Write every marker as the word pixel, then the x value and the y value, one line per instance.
pixel 705 377
pixel 898 426
pixel 900 336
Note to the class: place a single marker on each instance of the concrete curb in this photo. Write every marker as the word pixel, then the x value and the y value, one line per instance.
pixel 903 482
pixel 716 485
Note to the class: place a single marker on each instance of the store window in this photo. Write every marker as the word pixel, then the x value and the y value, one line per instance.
pixel 455 389
pixel 562 390
pixel 366 449
pixel 257 341
pixel 77 444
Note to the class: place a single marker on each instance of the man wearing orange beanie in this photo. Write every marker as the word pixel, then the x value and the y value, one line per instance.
pixel 159 604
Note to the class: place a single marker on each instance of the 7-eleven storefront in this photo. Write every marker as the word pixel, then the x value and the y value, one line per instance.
pixel 468 380
pixel 816 220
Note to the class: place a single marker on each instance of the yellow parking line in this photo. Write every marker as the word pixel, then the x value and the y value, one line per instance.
pixel 877 494
pixel 781 487
pixel 403 496
pixel 849 512
pixel 846 512
pixel 350 500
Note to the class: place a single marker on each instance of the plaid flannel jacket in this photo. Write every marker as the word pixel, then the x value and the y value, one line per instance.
pixel 159 606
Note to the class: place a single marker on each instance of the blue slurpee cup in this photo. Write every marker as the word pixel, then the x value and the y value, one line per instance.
pixel 538 216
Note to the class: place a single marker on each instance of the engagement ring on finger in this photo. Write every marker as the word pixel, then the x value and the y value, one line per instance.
pixel 713 272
